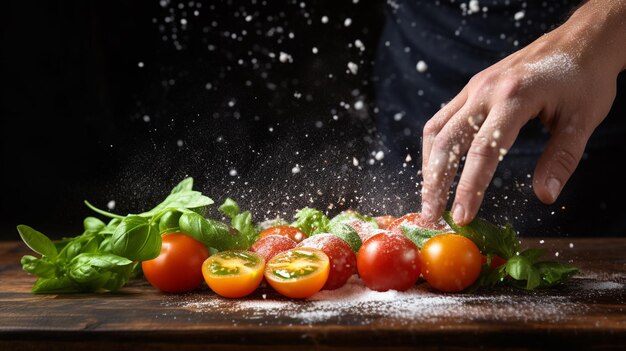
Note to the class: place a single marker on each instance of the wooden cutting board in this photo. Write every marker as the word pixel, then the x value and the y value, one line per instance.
pixel 588 313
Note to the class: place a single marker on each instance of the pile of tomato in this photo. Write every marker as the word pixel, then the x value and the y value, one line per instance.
pixel 298 266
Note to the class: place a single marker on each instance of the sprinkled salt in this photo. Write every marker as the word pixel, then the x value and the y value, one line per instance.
pixel 398 116
pixel 421 66
pixel 358 105
pixel 208 86
pixel 417 303
pixel 519 15
pixel 140 64
pixel 284 57
pixel 232 172
pixel 355 162
pixel 179 143
pixel 379 155
pixel 559 65
pixel 347 22
pixel 359 45
pixel 295 169
pixel 111 204
pixel 314 50
pixel 146 118
pixel 324 19
pixel 353 67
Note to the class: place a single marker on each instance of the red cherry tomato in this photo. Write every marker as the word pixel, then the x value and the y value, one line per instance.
pixel 341 255
pixel 496 261
pixel 450 262
pixel 416 219
pixel 179 266
pixel 384 221
pixel 271 245
pixel 388 261
pixel 292 232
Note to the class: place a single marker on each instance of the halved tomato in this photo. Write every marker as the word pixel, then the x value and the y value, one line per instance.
pixel 298 273
pixel 233 273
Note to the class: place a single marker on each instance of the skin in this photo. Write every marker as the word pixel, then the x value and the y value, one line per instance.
pixel 566 78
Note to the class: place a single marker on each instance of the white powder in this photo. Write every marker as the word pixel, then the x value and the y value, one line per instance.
pixel 559 65
pixel 601 285
pixel 353 68
pixel 285 57
pixel 418 303
pixel 421 66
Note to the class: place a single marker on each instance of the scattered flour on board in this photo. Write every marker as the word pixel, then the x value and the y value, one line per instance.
pixel 418 303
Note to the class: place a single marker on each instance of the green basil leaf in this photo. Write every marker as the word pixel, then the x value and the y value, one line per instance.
pixel 185 185
pixel 37 241
pixel 111 226
pixel 137 239
pixel 348 216
pixel 212 233
pixel 311 221
pixel 347 233
pixel 70 250
pixel 243 223
pixel 229 208
pixel 38 267
pixel 553 273
pixel 490 239
pixel 488 278
pixel 89 267
pixel 183 199
pixel 168 223
pixel 57 285
pixel 419 235
pixel 118 278
pixel 93 224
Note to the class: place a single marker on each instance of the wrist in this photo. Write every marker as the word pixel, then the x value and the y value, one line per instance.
pixel 596 34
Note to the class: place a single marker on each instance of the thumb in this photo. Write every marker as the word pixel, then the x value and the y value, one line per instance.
pixel 557 163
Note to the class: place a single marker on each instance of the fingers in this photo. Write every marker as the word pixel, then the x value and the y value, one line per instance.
pixel 495 137
pixel 437 122
pixel 558 161
pixel 446 151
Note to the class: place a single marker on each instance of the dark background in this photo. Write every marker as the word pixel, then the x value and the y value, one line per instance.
pixel 120 100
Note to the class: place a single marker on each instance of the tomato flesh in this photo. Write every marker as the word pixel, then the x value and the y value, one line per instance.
pixel 233 273
pixel 271 245
pixel 292 232
pixel 178 268
pixel 342 258
pixel 388 262
pixel 298 273
pixel 451 262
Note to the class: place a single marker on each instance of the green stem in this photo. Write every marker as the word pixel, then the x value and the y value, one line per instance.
pixel 102 212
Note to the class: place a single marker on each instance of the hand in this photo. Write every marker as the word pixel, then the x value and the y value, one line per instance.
pixel 567 78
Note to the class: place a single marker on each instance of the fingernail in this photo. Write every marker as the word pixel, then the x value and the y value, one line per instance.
pixel 458 214
pixel 427 211
pixel 554 187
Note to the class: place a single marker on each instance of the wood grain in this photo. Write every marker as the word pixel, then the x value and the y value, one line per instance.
pixel 587 313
